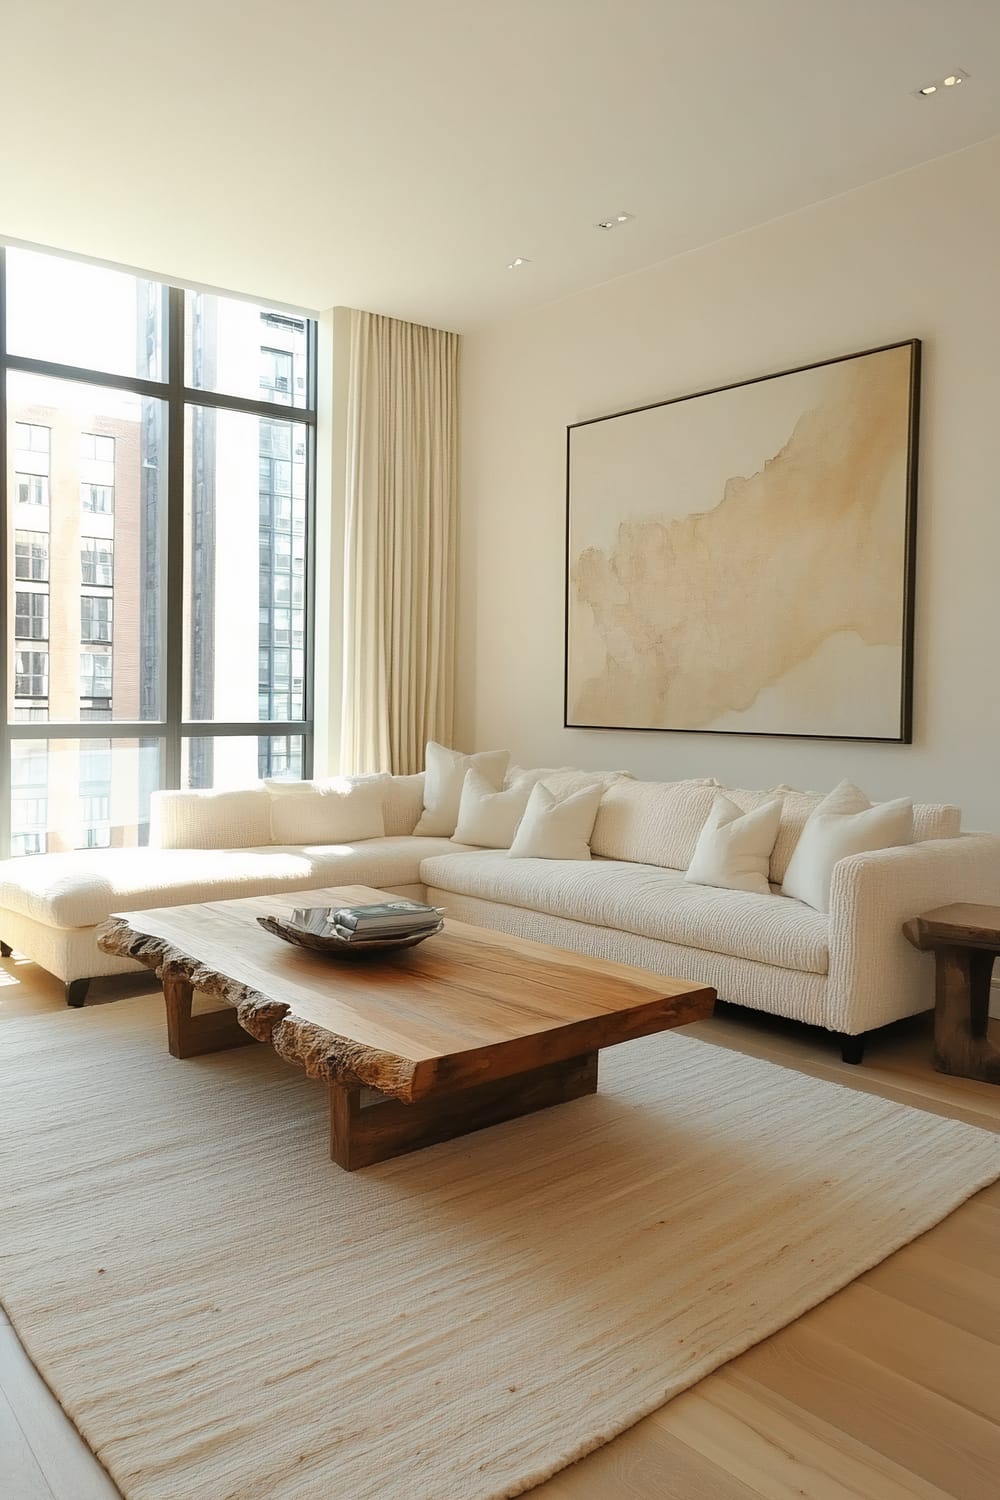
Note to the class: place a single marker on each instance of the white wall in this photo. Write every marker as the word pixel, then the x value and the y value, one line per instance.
pixel 917 255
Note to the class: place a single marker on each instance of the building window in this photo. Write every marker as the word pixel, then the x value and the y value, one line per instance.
pixel 97 448
pixel 31 674
pixel 31 489
pixel 97 560
pixel 98 499
pixel 31 438
pixel 276 374
pixel 31 555
pixel 31 616
pixel 29 815
pixel 95 676
pixel 95 618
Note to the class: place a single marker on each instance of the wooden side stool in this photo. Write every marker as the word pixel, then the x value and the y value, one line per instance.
pixel 965 940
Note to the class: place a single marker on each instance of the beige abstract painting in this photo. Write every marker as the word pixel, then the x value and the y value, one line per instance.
pixel 742 560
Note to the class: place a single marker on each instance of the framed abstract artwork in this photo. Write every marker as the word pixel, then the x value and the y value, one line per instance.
pixel 741 561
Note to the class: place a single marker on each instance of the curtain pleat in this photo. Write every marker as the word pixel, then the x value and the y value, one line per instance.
pixel 400 554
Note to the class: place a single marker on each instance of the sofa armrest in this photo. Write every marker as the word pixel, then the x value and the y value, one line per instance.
pixel 876 975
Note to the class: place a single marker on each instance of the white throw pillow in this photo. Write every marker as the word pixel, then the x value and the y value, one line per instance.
pixel 557 827
pixel 327 812
pixel 734 848
pixel 844 823
pixel 489 818
pixel 443 781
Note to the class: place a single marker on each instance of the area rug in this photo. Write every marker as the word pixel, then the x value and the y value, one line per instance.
pixel 226 1315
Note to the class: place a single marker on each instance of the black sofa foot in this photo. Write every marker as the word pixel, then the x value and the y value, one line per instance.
pixel 76 992
pixel 5 950
pixel 852 1048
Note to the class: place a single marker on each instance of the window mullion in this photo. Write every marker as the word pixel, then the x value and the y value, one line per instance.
pixel 173 602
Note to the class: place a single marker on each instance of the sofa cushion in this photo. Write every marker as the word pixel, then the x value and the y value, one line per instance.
pixel 645 900
pixel 210 820
pixel 931 820
pixel 444 777
pixel 843 824
pixel 557 827
pixel 337 811
pixel 488 818
pixel 652 822
pixel 81 889
pixel 734 848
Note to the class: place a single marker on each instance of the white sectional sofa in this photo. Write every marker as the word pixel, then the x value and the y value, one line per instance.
pixel 849 970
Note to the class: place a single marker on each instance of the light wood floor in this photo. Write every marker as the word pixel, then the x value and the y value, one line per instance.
pixel 891 1389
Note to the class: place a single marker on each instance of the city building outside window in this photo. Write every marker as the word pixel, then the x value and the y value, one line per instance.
pixel 90 454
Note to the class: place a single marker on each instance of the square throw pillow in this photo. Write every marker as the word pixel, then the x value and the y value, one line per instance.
pixel 557 827
pixel 489 818
pixel 327 812
pixel 444 778
pixel 734 848
pixel 844 823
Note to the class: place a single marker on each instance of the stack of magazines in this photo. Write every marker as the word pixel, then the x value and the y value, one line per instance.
pixel 386 920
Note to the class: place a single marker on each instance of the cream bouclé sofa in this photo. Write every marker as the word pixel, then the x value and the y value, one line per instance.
pixel 850 970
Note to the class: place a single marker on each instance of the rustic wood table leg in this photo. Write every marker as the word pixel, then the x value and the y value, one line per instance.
pixel 362 1133
pixel 190 1036
pixel 961 1016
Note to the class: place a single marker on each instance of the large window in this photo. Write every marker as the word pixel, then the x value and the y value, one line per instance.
pixel 158 498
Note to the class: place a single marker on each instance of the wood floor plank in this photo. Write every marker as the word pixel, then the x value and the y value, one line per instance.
pixel 923 1278
pixel 934 1354
pixel 649 1463
pixel 940 1440
pixel 67 1464
pixel 782 1451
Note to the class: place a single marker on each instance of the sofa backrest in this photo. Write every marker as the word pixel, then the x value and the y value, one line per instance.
pixel 403 805
pixel 242 819
pixel 210 820
pixel 658 822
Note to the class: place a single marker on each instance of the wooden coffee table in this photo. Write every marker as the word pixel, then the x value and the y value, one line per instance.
pixel 470 1028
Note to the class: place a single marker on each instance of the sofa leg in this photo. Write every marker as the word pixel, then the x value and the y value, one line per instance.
pixel 852 1048
pixel 5 950
pixel 76 992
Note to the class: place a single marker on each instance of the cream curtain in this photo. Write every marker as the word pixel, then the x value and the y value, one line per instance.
pixel 400 544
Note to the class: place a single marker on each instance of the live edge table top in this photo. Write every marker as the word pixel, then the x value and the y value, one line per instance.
pixel 464 1008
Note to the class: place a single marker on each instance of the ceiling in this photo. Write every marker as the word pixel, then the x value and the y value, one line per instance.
pixel 396 154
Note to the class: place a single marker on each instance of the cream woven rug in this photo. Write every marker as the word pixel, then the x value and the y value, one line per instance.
pixel 228 1316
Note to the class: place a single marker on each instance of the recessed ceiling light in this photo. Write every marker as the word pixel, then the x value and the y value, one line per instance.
pixel 614 222
pixel 519 260
pixel 959 76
